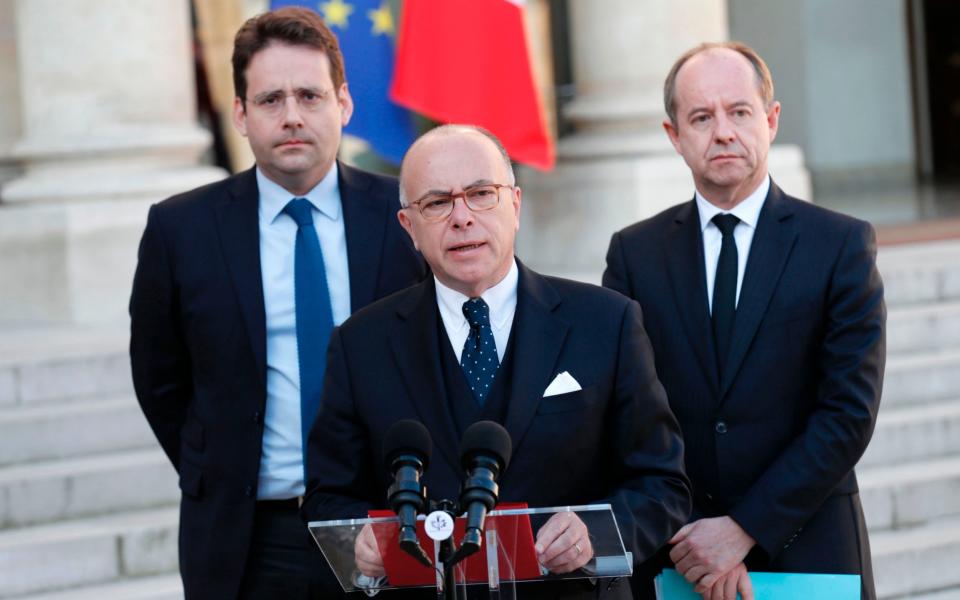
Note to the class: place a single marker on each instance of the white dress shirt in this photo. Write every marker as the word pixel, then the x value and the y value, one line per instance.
pixel 502 300
pixel 281 463
pixel 748 211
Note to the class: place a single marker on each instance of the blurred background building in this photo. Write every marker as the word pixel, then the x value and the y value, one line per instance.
pixel 107 106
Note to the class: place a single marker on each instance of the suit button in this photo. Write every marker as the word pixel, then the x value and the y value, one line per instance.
pixel 720 427
pixel 248 491
pixel 256 417
pixel 709 496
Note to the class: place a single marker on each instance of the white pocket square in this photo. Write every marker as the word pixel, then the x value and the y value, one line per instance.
pixel 562 384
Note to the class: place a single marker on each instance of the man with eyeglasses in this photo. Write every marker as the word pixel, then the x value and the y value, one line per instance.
pixel 238 286
pixel 565 367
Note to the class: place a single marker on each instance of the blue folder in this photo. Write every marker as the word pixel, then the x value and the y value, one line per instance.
pixel 671 585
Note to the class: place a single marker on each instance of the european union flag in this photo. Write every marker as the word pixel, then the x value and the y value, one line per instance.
pixel 365 29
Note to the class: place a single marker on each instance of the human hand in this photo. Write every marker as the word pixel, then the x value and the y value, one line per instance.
pixel 707 549
pixel 563 543
pixel 367 554
pixel 727 586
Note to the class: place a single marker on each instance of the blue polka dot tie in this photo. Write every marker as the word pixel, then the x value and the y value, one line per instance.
pixel 479 359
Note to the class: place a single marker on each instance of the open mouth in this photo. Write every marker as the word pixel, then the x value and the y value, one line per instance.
pixel 466 247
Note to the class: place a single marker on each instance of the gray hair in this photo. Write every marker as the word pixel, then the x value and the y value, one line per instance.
pixel 451 129
pixel 763 77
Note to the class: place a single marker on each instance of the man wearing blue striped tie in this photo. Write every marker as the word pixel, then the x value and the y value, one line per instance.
pixel 238 287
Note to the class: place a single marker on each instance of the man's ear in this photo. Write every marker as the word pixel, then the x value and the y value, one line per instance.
pixel 239 116
pixel 673 133
pixel 517 195
pixel 346 104
pixel 407 225
pixel 773 119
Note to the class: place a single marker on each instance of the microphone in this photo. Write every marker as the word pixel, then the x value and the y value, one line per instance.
pixel 484 453
pixel 406 453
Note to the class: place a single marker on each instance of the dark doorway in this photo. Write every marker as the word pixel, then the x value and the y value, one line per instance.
pixel 938 34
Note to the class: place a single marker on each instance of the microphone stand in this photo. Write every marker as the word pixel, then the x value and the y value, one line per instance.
pixel 448 551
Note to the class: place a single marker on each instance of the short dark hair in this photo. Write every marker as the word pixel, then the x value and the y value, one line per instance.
pixel 292 25
pixel 764 79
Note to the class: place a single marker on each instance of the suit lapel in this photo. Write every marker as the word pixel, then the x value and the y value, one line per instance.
pixel 364 216
pixel 772 242
pixel 417 352
pixel 683 244
pixel 537 340
pixel 239 231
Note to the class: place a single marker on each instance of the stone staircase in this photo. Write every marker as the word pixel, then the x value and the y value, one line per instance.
pixel 910 474
pixel 88 502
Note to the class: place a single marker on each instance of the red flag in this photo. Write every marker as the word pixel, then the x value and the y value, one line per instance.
pixel 466 61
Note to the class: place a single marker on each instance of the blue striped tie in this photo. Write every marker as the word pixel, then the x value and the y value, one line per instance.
pixel 314 315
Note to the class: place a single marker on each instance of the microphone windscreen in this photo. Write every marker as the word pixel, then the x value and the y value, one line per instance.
pixel 407 437
pixel 489 438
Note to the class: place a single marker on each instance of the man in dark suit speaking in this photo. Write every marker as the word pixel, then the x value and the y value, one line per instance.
pixel 767 320
pixel 565 367
pixel 237 288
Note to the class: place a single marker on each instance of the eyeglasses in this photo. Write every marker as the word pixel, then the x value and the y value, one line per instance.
pixel 478 198
pixel 274 103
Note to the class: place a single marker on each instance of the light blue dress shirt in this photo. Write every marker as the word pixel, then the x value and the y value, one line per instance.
pixel 281 463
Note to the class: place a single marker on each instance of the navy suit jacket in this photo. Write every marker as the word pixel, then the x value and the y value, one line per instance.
pixel 775 436
pixel 613 441
pixel 198 348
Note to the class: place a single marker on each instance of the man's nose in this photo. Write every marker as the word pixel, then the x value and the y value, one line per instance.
pixel 461 215
pixel 723 131
pixel 291 112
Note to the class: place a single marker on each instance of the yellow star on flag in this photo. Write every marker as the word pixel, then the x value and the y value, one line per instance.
pixel 336 13
pixel 382 20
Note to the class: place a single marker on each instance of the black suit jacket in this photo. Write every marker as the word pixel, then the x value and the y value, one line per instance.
pixel 614 441
pixel 198 348
pixel 777 434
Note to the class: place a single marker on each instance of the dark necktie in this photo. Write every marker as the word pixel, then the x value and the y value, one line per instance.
pixel 314 315
pixel 725 288
pixel 479 359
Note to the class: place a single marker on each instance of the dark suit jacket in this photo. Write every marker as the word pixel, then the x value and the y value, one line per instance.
pixel 198 348
pixel 614 441
pixel 778 433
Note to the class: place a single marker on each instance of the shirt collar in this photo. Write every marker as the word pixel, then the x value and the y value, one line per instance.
pixel 501 298
pixel 748 211
pixel 325 196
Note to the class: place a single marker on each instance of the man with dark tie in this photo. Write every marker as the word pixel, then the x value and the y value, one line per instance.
pixel 238 286
pixel 565 367
pixel 767 321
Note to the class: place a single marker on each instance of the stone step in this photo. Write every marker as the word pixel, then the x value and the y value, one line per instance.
pixel 948 594
pixel 900 496
pixel 87 551
pixel 909 433
pixel 161 587
pixel 916 273
pixel 91 485
pixel 910 562
pixel 64 430
pixel 921 378
pixel 923 327
pixel 42 365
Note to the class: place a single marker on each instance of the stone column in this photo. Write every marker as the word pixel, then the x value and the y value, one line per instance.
pixel 619 166
pixel 9 92
pixel 108 126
